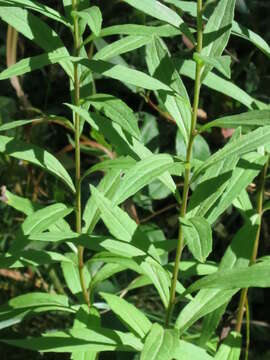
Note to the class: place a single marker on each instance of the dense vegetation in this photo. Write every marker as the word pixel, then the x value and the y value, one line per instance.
pixel 134 150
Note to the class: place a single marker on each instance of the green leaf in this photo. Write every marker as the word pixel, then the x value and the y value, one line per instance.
pixel 246 119
pixel 161 12
pixel 78 340
pixel 230 348
pixel 16 309
pixel 17 123
pixel 217 31
pixel 35 155
pixel 141 174
pixel 117 221
pixel 38 31
pixel 108 187
pixel 160 65
pixel 221 63
pixel 198 236
pixel 93 17
pixel 257 275
pixel 116 110
pixel 126 146
pixel 31 258
pixel 133 318
pixel 71 274
pixel 246 170
pixel 139 30
pixel 124 74
pixel 122 46
pixel 159 344
pixel 245 144
pixel 104 273
pixel 251 36
pixel 215 82
pixel 19 203
pixel 38 7
pixel 32 63
pixel 42 219
pixel 208 300
pixel 186 350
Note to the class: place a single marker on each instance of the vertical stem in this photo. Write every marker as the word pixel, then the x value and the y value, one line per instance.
pixel 77 41
pixel 243 296
pixel 187 169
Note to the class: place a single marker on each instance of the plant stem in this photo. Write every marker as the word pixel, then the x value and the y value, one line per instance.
pixel 243 296
pixel 187 169
pixel 77 42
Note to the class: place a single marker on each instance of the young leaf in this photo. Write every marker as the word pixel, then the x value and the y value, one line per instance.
pixel 93 17
pixel 35 155
pixel 217 31
pixel 198 236
pixel 117 111
pixel 247 119
pixel 160 344
pixel 133 318
pixel 141 174
pixel 122 46
pixel 160 11
pixel 42 219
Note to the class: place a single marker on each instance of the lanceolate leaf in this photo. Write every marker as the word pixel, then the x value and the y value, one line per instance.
pixel 159 344
pixel 117 111
pixel 117 221
pixel 94 339
pixel 35 155
pixel 213 81
pixel 198 236
pixel 248 119
pixel 36 30
pixel 17 123
pixel 257 275
pixel 160 11
pixel 21 306
pixel 38 7
pixel 125 74
pixel 140 30
pixel 141 174
pixel 245 144
pixel 108 187
pixel 161 66
pixel 122 46
pixel 42 219
pixel 133 318
pixel 217 31
pixel 33 63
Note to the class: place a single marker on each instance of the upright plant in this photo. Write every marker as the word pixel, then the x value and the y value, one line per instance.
pixel 192 308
